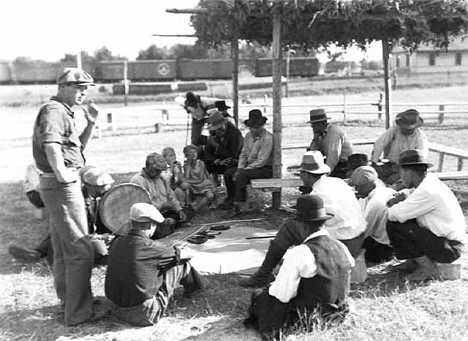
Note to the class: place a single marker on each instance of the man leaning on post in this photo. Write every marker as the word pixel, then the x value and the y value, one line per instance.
pixel 58 153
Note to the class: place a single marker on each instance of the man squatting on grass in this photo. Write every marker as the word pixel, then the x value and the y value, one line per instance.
pixel 425 221
pixel 314 277
pixel 142 273
pixel 347 225
pixel 57 151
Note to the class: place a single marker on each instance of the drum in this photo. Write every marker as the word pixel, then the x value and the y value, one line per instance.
pixel 116 203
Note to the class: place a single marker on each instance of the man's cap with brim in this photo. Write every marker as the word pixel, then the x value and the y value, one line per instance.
pixel 97 177
pixel 313 162
pixel 363 175
pixel 216 120
pixel 75 76
pixel 317 115
pixel 413 157
pixel 143 212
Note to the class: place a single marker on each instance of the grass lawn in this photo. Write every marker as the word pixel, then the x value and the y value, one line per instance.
pixel 385 307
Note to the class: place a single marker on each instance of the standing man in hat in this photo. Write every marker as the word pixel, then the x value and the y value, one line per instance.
pixel 425 221
pixel 255 162
pixel 331 141
pixel 403 135
pixel 373 196
pixel 224 144
pixel 347 225
pixel 142 273
pixel 58 153
pixel 161 194
pixel 315 276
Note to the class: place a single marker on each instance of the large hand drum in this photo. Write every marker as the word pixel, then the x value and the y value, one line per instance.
pixel 116 203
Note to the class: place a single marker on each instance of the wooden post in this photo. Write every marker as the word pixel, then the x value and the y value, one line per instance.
pixel 460 164
pixel 441 113
pixel 277 124
pixel 441 161
pixel 388 87
pixel 110 122
pixel 344 107
pixel 125 72
pixel 235 79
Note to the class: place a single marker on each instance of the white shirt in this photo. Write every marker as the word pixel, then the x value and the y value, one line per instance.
pixel 392 142
pixel 299 262
pixel 434 207
pixel 375 210
pixel 339 199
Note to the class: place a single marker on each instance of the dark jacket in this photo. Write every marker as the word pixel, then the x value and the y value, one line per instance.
pixel 135 268
pixel 229 146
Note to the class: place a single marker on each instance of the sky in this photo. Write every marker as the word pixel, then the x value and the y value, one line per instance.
pixel 49 29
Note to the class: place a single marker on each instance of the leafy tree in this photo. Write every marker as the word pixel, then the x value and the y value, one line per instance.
pixel 153 52
pixel 105 54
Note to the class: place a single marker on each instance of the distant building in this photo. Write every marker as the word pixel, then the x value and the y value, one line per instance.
pixel 429 60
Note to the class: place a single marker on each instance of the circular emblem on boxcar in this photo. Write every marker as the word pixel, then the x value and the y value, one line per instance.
pixel 164 69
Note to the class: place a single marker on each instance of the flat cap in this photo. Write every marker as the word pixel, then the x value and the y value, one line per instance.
pixel 75 75
pixel 156 160
pixel 143 212
pixel 97 177
pixel 363 175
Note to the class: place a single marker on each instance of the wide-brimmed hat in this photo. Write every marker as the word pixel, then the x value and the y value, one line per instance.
pixel 413 157
pixel 363 175
pixel 75 76
pixel 156 160
pixel 142 212
pixel 310 207
pixel 317 115
pixel 313 162
pixel 357 160
pixel 216 120
pixel 409 119
pixel 256 119
pixel 97 177
pixel 221 105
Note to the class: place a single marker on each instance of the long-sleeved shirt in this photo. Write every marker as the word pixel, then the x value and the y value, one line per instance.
pixel 333 144
pixel 375 211
pixel 228 146
pixel 160 190
pixel 339 199
pixel 392 142
pixel 299 262
pixel 435 207
pixel 257 152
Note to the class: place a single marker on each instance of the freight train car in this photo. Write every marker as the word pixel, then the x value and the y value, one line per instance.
pixel 40 72
pixel 5 72
pixel 298 67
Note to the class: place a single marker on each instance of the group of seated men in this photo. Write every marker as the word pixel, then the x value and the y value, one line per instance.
pixel 422 224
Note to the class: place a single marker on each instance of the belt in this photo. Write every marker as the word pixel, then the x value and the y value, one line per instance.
pixel 52 175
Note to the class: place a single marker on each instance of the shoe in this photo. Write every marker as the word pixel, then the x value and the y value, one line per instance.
pixel 225 205
pixel 410 265
pixel 24 254
pixel 256 281
pixel 234 212
pixel 427 269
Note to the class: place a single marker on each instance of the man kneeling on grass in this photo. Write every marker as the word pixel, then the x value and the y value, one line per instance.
pixel 425 221
pixel 313 281
pixel 142 273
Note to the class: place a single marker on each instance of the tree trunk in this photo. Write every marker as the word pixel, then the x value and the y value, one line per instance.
pixel 388 84
pixel 235 79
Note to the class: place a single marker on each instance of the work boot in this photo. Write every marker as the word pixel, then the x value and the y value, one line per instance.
pixel 427 269
pixel 193 283
pixel 410 265
pixel 263 276
pixel 24 254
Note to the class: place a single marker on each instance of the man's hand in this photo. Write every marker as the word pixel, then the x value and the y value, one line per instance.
pixel 236 174
pixel 167 206
pixel 225 162
pixel 66 175
pixel 396 198
pixel 92 112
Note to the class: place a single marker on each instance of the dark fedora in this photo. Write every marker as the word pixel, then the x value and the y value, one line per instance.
pixel 357 160
pixel 413 157
pixel 318 115
pixel 310 207
pixel 409 119
pixel 256 119
pixel 221 105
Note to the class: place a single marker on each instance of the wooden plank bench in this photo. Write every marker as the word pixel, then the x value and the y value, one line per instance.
pixel 274 185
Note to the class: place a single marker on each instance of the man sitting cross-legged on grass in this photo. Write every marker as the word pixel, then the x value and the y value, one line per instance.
pixel 347 225
pixel 425 221
pixel 142 273
pixel 313 279
pixel 161 194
